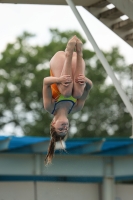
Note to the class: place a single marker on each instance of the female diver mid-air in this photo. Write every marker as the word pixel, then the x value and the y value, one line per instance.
pixel 65 90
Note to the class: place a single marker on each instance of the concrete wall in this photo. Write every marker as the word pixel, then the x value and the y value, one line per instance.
pixel 124 192
pixel 16 191
pixel 59 190
pixel 48 191
pixel 65 191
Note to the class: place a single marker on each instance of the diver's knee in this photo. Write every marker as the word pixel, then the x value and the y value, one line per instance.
pixel 77 94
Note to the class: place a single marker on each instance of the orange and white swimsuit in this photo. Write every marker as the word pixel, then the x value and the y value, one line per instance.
pixel 58 97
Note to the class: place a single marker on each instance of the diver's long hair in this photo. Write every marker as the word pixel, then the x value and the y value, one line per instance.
pixel 55 137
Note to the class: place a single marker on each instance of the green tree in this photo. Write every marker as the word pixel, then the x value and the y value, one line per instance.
pixel 22 69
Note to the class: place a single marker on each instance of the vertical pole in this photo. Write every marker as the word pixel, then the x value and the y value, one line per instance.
pixel 37 171
pixel 108 188
pixel 37 164
pixel 132 99
pixel 132 96
pixel 101 57
pixel 35 190
pixel 108 180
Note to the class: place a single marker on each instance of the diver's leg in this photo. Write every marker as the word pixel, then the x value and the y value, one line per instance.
pixel 61 64
pixel 78 88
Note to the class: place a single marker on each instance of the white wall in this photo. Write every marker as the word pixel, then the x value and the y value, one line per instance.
pixel 59 190
pixel 65 191
pixel 124 192
pixel 47 191
pixel 16 191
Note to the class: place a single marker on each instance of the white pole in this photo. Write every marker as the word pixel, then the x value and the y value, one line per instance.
pixel 132 99
pixel 132 96
pixel 108 192
pixel 101 58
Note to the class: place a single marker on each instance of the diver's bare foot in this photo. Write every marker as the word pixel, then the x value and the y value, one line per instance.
pixel 79 45
pixel 71 45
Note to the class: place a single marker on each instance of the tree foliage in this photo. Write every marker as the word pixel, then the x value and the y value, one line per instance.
pixel 22 69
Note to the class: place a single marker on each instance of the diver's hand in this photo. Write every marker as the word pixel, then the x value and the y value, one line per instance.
pixel 81 79
pixel 65 80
